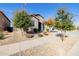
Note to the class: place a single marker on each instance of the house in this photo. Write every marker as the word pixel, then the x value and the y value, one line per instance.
pixel 38 22
pixel 4 21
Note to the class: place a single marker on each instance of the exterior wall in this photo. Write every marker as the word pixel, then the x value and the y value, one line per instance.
pixel 4 23
pixel 35 21
pixel 40 19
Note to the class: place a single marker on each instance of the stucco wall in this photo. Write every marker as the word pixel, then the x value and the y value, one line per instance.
pixel 35 22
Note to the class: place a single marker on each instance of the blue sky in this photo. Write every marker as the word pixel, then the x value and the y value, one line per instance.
pixel 47 10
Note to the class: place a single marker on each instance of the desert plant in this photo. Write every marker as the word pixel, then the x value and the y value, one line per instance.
pixel 40 35
pixel 45 33
pixel 1 35
pixel 30 36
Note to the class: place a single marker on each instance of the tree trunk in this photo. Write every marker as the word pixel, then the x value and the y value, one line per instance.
pixel 63 35
pixel 25 32
pixel 22 31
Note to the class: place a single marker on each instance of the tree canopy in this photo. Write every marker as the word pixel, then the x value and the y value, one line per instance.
pixel 64 20
pixel 50 22
pixel 22 20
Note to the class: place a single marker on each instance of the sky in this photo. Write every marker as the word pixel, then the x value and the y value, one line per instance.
pixel 47 10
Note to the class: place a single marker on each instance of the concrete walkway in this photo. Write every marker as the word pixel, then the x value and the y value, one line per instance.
pixel 17 47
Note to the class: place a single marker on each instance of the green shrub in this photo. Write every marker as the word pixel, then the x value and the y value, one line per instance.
pixel 1 35
pixel 36 30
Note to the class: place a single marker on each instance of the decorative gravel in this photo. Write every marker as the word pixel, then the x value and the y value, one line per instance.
pixel 52 49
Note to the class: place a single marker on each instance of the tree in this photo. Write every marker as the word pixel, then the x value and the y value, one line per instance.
pixel 50 22
pixel 22 20
pixel 64 22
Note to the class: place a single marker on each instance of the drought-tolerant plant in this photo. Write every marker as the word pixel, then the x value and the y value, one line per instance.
pixel 1 35
pixel 30 36
pixel 40 35
pixel 64 22
pixel 45 33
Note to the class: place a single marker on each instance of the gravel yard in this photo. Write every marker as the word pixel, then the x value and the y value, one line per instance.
pixel 13 37
pixel 16 36
pixel 52 49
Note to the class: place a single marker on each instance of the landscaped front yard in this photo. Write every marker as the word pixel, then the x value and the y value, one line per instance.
pixel 53 48
pixel 46 45
pixel 18 36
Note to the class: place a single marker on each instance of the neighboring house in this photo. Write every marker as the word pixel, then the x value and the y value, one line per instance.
pixel 4 21
pixel 38 22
